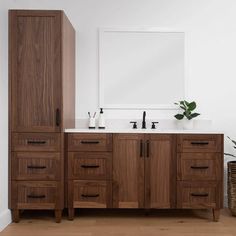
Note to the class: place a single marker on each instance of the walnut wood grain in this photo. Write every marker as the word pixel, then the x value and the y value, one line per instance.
pixel 36 166
pixel 128 171
pixel 160 172
pixel 90 165
pixel 90 142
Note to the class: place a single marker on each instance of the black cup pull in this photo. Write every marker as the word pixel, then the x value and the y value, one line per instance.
pixel 141 148
pixel 90 195
pixel 199 167
pixel 199 194
pixel 36 142
pixel 199 143
pixel 36 196
pixel 36 167
pixel 148 147
pixel 90 142
pixel 90 166
pixel 58 117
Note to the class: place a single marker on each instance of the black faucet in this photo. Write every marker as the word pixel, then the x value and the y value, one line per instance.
pixel 144 120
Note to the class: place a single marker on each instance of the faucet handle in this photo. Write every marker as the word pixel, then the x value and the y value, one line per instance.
pixel 134 124
pixel 153 124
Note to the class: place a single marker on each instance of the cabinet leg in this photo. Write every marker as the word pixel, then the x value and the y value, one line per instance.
pixel 216 214
pixel 15 215
pixel 71 213
pixel 58 214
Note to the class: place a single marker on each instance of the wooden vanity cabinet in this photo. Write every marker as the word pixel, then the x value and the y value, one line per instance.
pixel 144 171
pixel 88 171
pixel 200 169
pixel 41 106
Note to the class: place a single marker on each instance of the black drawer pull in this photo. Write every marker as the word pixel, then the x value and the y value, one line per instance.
pixel 199 194
pixel 36 167
pixel 148 148
pixel 90 166
pixel 200 143
pixel 90 142
pixel 58 118
pixel 36 142
pixel 199 167
pixel 141 148
pixel 90 195
pixel 36 196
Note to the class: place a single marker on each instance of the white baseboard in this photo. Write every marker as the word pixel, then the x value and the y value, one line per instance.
pixel 5 219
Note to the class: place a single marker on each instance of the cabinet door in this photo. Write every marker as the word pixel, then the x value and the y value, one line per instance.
pixel 128 171
pixel 35 70
pixel 160 171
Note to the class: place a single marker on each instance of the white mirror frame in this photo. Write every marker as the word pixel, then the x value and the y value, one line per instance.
pixel 137 106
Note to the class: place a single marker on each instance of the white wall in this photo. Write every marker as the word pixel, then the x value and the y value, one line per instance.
pixel 211 55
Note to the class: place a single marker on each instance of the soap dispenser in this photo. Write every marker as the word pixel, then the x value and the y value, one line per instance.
pixel 101 121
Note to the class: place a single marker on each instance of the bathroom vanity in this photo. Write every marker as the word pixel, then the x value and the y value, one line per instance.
pixel 144 169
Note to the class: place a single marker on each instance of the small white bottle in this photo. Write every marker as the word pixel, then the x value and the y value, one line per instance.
pixel 101 120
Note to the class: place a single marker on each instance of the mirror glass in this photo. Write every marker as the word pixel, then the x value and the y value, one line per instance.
pixel 141 68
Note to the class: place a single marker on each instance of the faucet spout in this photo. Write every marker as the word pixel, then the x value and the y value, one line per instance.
pixel 144 120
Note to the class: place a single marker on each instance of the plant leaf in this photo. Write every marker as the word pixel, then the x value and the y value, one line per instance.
pixel 179 116
pixel 184 108
pixel 192 106
pixel 233 141
pixel 228 154
pixel 187 103
pixel 193 115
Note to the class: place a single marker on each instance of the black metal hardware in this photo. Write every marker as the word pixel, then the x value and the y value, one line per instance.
pixel 90 142
pixel 134 124
pixel 199 167
pixel 58 118
pixel 36 167
pixel 36 196
pixel 199 143
pixel 141 148
pixel 36 142
pixel 153 124
pixel 90 166
pixel 147 142
pixel 199 194
pixel 89 195
pixel 144 120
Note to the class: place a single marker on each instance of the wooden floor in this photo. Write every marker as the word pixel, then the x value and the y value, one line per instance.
pixel 125 223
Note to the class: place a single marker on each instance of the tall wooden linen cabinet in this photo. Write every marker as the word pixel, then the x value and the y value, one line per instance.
pixel 41 106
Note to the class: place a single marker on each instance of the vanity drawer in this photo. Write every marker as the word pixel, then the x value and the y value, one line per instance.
pixel 199 166
pixel 92 194
pixel 198 195
pixel 35 195
pixel 199 143
pixel 90 165
pixel 35 166
pixel 90 142
pixel 36 142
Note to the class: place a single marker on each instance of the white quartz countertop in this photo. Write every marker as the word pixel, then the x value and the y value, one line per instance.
pixel 145 131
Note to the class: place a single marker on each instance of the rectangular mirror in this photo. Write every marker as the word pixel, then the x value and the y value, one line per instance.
pixel 141 69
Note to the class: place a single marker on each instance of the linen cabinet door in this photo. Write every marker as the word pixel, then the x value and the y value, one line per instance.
pixel 160 171
pixel 35 74
pixel 128 171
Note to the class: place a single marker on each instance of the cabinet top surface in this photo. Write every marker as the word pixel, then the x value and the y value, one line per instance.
pixel 144 131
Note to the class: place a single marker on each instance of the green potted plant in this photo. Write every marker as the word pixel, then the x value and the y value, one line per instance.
pixel 231 186
pixel 187 115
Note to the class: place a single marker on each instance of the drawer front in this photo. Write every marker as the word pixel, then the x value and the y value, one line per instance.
pixel 92 194
pixel 90 165
pixel 90 142
pixel 198 195
pixel 199 166
pixel 36 142
pixel 35 166
pixel 35 195
pixel 200 143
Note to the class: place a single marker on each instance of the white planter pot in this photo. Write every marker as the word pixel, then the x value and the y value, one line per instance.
pixel 187 124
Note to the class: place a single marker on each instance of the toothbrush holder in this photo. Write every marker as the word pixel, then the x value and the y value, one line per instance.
pixel 92 123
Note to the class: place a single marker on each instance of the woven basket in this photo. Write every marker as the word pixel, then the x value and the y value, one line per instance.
pixel 232 187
